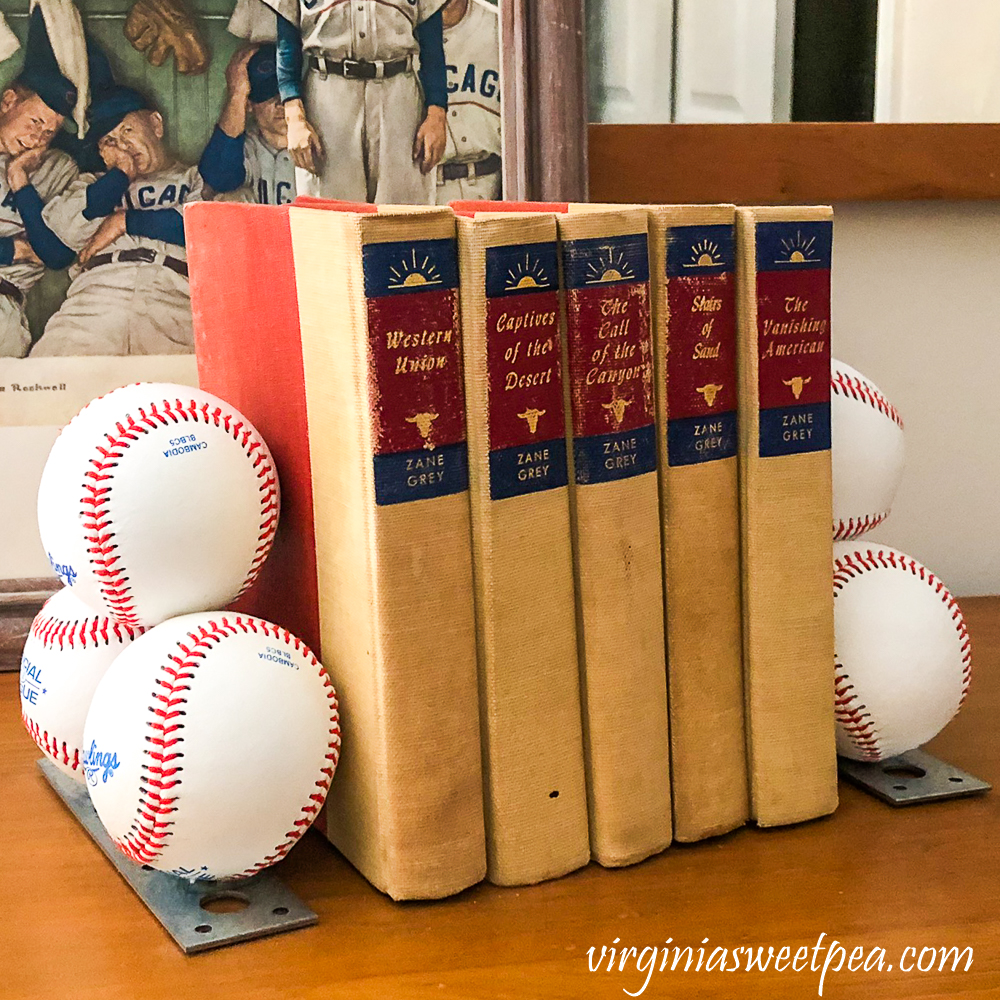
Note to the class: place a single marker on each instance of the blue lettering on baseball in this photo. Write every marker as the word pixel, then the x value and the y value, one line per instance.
pixel 31 681
pixel 469 83
pixel 281 656
pixel 490 83
pixel 284 194
pixel 99 766
pixel 169 195
pixel 179 447
pixel 65 573
pixel 147 196
pixel 8 201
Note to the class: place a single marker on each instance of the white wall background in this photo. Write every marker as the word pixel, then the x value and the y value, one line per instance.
pixel 916 308
pixel 938 61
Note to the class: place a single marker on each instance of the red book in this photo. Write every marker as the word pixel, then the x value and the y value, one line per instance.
pixel 348 360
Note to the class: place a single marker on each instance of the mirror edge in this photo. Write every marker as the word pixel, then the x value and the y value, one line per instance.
pixel 797 162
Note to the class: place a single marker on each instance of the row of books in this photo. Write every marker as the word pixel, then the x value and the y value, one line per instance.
pixel 556 516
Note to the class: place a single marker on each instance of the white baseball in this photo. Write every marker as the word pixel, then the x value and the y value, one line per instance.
pixel 903 658
pixel 210 745
pixel 157 500
pixel 868 452
pixel 67 652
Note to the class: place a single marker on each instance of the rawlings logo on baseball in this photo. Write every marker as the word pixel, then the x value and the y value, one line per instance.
pixel 98 765
pixel 66 573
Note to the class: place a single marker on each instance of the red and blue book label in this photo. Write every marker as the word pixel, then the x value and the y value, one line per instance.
pixel 527 431
pixel 610 357
pixel 793 336
pixel 415 365
pixel 701 364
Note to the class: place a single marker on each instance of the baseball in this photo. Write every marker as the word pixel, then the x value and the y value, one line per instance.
pixel 867 452
pixel 157 500
pixel 68 651
pixel 210 745
pixel 903 659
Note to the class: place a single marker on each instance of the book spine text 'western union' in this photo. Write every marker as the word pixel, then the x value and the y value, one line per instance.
pixel 616 532
pixel 695 337
pixel 534 784
pixel 786 493
pixel 382 349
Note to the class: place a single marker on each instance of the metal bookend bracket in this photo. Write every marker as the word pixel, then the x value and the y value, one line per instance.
pixel 179 905
pixel 911 778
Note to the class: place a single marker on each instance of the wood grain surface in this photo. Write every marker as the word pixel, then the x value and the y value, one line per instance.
pixel 869 876
pixel 793 163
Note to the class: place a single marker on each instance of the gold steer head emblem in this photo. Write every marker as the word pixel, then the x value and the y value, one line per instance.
pixel 424 422
pixel 532 417
pixel 710 392
pixel 797 384
pixel 618 408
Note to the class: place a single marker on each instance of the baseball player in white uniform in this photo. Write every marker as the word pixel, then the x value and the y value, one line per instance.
pixel 365 93
pixel 471 168
pixel 247 158
pixel 129 293
pixel 32 110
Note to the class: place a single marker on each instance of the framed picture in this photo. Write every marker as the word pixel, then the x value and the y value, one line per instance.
pixel 183 70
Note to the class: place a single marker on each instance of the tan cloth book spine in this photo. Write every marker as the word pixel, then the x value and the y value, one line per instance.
pixel 783 327
pixel 694 296
pixel 533 771
pixel 381 354
pixel 611 432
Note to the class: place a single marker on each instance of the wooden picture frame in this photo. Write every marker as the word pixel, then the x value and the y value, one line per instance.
pixel 543 55
pixel 545 143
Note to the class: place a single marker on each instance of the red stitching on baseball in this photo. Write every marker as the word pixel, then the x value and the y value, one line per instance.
pixel 56 749
pixel 864 392
pixel 315 801
pixel 845 530
pixel 81 633
pixel 847 567
pixel 159 790
pixel 853 716
pixel 96 514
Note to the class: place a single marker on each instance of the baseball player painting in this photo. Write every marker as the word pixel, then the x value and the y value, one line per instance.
pixel 32 110
pixel 248 152
pixel 471 168
pixel 129 291
pixel 365 93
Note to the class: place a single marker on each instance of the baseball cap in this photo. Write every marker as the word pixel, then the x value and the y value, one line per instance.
pixel 262 69
pixel 109 108
pixel 41 72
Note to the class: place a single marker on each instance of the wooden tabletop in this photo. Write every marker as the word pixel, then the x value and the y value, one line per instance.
pixel 870 876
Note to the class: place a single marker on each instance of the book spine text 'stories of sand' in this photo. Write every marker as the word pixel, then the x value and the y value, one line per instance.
pixel 697 399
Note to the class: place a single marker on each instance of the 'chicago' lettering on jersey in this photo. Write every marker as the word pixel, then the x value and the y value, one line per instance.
pixel 155 196
pixel 284 193
pixel 487 84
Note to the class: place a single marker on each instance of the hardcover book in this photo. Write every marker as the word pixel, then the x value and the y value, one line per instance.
pixel 786 500
pixel 534 780
pixel 349 364
pixel 609 397
pixel 694 296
